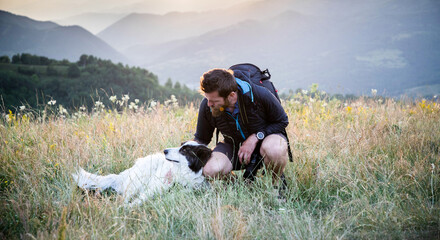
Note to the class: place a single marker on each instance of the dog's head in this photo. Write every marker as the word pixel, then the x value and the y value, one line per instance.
pixel 193 154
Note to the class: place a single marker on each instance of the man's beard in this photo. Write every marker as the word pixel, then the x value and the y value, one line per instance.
pixel 218 111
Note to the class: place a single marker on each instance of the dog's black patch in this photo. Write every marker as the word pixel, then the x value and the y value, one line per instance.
pixel 197 155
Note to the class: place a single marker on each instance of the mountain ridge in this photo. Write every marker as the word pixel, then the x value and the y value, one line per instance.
pixel 92 21
pixel 342 54
pixel 20 34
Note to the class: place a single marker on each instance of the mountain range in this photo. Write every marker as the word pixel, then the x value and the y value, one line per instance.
pixel 92 22
pixel 345 46
pixel 386 45
pixel 19 34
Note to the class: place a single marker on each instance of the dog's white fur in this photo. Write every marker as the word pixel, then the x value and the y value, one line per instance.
pixel 149 175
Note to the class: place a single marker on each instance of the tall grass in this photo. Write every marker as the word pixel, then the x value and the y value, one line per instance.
pixel 364 169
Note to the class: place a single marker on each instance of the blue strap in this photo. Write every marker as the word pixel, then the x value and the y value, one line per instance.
pixel 245 87
pixel 238 125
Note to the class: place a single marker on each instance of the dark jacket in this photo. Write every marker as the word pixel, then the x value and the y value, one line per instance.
pixel 259 111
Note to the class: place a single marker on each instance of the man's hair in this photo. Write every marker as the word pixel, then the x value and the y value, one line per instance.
pixel 218 79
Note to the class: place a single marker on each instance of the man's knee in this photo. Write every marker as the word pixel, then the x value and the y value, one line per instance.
pixel 274 148
pixel 217 166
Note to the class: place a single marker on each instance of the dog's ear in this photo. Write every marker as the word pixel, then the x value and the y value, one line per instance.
pixel 201 156
pixel 204 154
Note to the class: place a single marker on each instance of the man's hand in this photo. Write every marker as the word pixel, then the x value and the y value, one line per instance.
pixel 247 148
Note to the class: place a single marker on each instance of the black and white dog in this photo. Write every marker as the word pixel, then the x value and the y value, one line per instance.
pixel 152 174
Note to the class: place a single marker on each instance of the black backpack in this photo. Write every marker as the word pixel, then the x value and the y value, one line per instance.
pixel 258 77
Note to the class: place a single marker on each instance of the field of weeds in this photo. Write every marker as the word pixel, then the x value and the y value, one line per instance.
pixel 363 169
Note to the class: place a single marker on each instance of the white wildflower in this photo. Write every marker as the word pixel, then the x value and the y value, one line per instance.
pixel 113 99
pixel 304 92
pixel 62 110
pixel 99 104
pixel 52 102
pixel 174 101
pixel 373 92
pixel 22 108
pixel 153 104
pixel 136 101
pixel 7 118
pixel 125 98
pixel 133 106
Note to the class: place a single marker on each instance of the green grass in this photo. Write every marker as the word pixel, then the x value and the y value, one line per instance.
pixel 367 170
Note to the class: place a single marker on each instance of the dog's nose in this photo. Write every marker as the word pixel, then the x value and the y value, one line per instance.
pixel 165 151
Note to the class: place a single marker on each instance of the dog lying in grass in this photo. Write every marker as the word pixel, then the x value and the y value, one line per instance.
pixel 152 174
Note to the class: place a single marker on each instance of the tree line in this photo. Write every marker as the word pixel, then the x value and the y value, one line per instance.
pixel 34 80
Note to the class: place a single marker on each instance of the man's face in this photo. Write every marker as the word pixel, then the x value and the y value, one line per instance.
pixel 216 103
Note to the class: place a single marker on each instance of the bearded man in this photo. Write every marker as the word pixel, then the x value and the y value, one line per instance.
pixel 248 116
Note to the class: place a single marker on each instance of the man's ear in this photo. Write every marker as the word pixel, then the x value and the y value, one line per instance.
pixel 232 96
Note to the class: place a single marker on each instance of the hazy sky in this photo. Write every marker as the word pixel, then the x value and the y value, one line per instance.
pixel 60 9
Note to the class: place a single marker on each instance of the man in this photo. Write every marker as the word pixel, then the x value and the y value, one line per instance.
pixel 245 114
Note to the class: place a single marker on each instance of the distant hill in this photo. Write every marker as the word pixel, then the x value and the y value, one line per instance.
pixel 34 80
pixel 146 29
pixel 386 45
pixel 92 22
pixel 20 34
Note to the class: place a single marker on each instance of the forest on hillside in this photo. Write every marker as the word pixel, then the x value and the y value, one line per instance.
pixel 30 80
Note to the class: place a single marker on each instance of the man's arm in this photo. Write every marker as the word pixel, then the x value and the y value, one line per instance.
pixel 276 116
pixel 204 128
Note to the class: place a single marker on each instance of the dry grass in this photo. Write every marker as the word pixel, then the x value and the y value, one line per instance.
pixel 363 170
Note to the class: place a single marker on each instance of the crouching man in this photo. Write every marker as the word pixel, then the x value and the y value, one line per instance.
pixel 247 115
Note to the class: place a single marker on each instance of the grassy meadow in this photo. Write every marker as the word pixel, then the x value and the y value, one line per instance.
pixel 364 169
